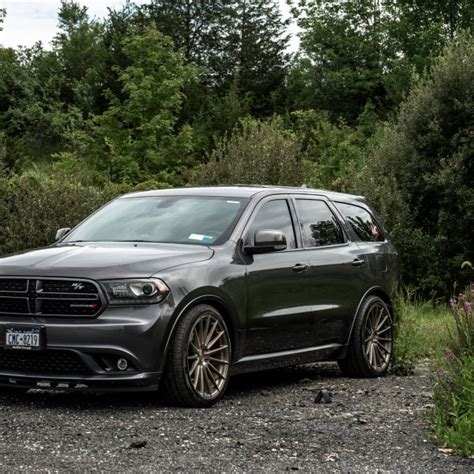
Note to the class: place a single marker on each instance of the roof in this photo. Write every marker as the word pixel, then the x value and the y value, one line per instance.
pixel 244 191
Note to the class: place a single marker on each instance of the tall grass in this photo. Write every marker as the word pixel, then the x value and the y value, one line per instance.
pixel 422 331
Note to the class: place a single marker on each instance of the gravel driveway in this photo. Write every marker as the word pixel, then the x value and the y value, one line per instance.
pixel 268 421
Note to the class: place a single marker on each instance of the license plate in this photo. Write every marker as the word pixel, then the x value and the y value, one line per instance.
pixel 28 338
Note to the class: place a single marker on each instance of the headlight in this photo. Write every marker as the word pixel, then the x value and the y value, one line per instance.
pixel 132 292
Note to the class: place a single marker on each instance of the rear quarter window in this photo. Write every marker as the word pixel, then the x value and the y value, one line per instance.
pixel 362 222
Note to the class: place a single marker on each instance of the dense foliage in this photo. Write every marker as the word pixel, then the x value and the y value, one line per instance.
pixel 421 172
pixel 171 93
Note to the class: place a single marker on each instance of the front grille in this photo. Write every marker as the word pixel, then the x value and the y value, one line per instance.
pixel 13 285
pixel 14 305
pixel 50 297
pixel 66 286
pixel 50 362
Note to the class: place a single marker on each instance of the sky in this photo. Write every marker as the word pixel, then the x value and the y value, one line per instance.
pixel 29 21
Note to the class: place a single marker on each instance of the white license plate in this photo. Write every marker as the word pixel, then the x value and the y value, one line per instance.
pixel 23 338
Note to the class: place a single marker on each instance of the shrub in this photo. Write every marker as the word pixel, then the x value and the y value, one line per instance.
pixel 420 174
pixel 34 205
pixel 256 153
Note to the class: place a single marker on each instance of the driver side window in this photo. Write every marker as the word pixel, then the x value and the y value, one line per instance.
pixel 274 215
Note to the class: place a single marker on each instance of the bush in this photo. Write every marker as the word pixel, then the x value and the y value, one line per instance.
pixel 34 205
pixel 37 206
pixel 256 153
pixel 420 174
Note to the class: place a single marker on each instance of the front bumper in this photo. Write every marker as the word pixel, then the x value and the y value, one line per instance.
pixel 83 353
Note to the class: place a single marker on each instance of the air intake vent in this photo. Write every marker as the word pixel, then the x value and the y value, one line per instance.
pixel 50 362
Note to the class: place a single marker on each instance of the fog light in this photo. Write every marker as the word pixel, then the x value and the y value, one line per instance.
pixel 122 364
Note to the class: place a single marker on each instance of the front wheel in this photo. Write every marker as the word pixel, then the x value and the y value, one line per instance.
pixel 197 370
pixel 371 344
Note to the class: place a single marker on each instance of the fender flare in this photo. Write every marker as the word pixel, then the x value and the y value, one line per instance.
pixel 206 298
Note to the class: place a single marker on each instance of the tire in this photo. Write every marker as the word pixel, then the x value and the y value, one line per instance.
pixel 198 365
pixel 371 344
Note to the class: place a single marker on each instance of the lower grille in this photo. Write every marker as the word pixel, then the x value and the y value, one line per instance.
pixel 50 362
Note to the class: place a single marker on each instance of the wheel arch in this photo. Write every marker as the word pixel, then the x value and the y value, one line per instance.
pixel 222 307
pixel 374 291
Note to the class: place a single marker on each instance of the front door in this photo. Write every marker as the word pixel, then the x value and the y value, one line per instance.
pixel 279 311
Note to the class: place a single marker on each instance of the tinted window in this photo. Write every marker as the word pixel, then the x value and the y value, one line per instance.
pixel 318 223
pixel 275 215
pixel 362 223
pixel 182 219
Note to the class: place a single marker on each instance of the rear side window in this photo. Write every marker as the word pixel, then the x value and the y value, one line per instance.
pixel 362 223
pixel 319 225
pixel 275 215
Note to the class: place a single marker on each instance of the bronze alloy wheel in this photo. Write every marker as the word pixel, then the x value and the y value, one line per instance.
pixel 370 348
pixel 378 337
pixel 208 357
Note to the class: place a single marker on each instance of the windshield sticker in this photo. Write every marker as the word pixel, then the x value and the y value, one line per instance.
pixel 201 238
pixel 233 202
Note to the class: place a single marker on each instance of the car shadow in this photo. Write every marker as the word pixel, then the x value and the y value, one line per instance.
pixel 274 379
pixel 240 386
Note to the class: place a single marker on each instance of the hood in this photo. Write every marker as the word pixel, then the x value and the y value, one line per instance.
pixel 102 261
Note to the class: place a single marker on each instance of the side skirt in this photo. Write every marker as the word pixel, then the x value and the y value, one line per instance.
pixel 276 360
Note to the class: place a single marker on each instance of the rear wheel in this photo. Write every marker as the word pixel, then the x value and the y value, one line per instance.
pixel 371 345
pixel 197 370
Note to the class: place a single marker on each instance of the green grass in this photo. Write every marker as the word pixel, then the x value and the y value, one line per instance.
pixel 422 331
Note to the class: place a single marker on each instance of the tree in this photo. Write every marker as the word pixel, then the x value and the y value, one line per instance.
pixel 256 153
pixel 353 52
pixel 233 42
pixel 257 43
pixel 3 12
pixel 82 54
pixel 421 173
pixel 138 137
pixel 346 54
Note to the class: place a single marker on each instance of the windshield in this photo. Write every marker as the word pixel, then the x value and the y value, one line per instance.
pixel 198 220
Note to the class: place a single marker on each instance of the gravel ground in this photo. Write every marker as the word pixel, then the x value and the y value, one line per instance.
pixel 267 422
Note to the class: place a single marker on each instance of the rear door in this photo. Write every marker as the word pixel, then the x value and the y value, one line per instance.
pixel 338 277
pixel 381 255
pixel 279 312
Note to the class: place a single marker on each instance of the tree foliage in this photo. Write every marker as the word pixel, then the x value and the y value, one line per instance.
pixel 353 53
pixel 256 153
pixel 421 173
pixel 138 135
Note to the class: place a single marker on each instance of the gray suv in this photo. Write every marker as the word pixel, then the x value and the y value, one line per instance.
pixel 184 287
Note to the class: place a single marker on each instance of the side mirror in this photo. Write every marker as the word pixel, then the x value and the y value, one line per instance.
pixel 266 241
pixel 62 233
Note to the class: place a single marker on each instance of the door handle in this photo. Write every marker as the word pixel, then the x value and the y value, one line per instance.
pixel 357 262
pixel 299 268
